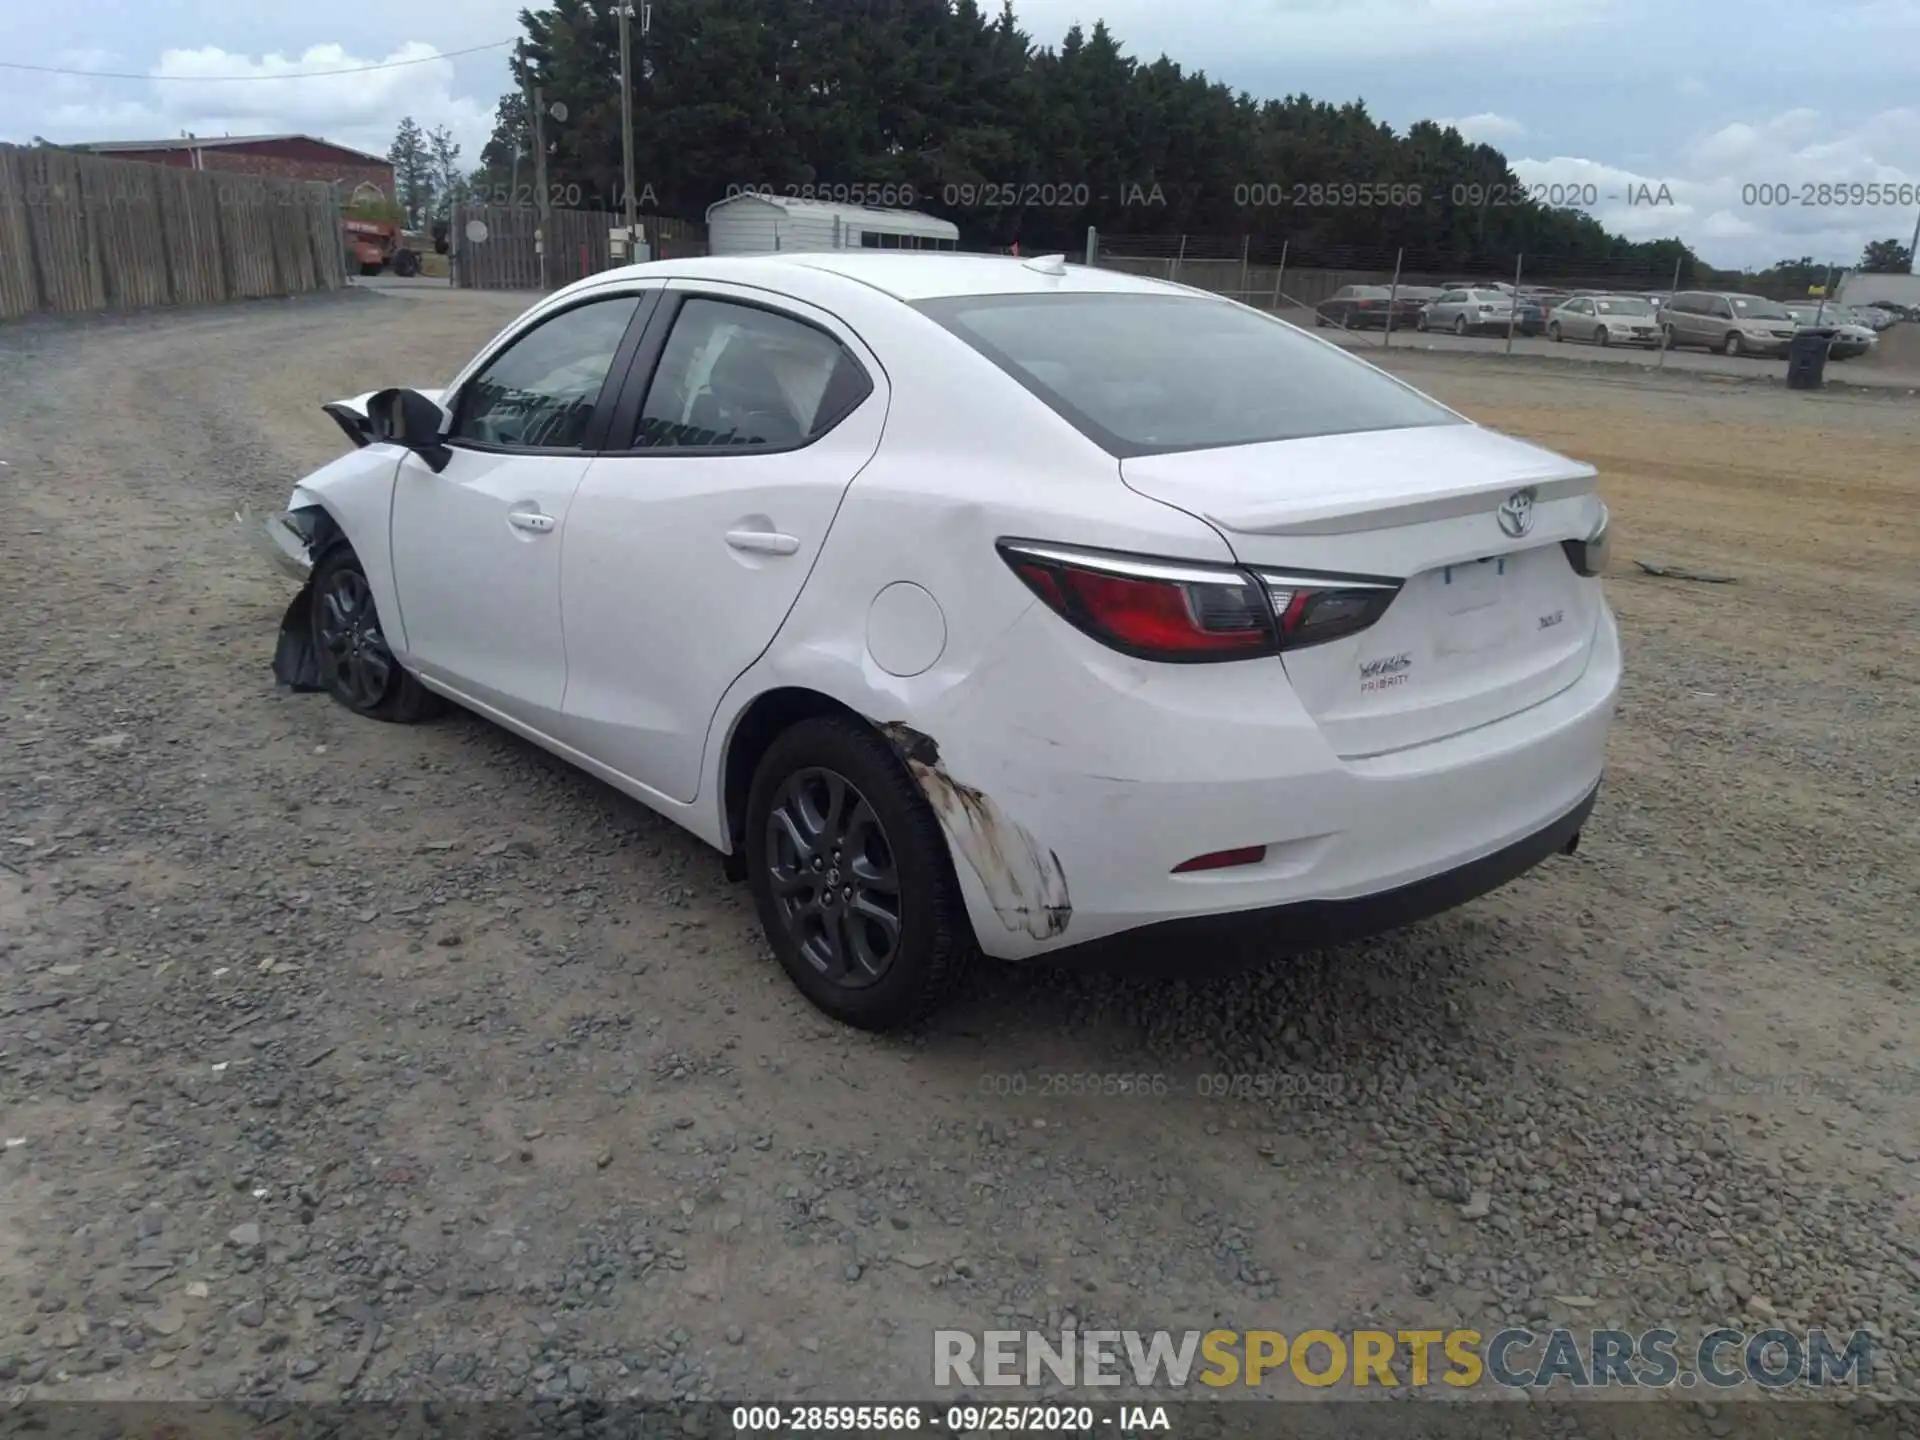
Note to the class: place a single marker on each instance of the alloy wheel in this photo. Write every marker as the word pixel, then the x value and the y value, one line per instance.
pixel 834 879
pixel 350 636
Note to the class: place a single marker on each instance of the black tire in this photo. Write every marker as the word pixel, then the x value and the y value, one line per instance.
pixel 1553 333
pixel 1731 345
pixel 366 269
pixel 356 667
pixel 1460 326
pixel 406 264
pixel 932 943
pixel 1421 324
pixel 1601 335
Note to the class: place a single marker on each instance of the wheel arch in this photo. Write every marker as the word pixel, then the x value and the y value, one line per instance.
pixel 762 720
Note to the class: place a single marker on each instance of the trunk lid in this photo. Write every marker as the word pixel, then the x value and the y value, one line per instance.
pixel 1487 623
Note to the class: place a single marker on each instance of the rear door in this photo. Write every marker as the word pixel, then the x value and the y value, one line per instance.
pixel 741 424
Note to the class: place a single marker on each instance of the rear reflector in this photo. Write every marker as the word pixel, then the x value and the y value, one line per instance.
pixel 1223 859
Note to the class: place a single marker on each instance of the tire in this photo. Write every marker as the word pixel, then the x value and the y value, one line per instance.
pixel 1731 345
pixel 1553 333
pixel 1460 325
pixel 1600 336
pixel 1668 340
pixel 367 269
pixel 406 263
pixel 933 942
pixel 1420 324
pixel 1320 320
pixel 342 608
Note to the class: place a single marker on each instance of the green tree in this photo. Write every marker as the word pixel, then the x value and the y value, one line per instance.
pixel 413 172
pixel 449 184
pixel 1886 257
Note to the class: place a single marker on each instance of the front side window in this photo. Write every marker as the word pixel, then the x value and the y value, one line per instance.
pixel 1143 374
pixel 540 392
pixel 734 376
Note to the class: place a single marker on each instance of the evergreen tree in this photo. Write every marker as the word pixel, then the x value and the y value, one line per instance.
pixel 413 171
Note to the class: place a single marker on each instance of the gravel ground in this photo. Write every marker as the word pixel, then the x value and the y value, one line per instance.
pixel 340 1059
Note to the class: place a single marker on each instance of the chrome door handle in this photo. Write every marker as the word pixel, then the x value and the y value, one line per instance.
pixel 763 542
pixel 539 524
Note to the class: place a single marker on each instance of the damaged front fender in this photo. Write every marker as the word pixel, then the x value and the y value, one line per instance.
pixel 298 538
pixel 1023 879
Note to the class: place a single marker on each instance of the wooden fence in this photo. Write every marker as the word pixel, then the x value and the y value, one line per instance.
pixel 493 245
pixel 82 232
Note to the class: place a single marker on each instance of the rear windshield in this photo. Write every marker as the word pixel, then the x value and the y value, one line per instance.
pixel 1623 306
pixel 1151 374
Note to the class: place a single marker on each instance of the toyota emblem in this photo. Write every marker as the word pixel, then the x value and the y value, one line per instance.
pixel 1516 513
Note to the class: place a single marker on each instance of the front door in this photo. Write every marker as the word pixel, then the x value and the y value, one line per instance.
pixel 476 547
pixel 688 550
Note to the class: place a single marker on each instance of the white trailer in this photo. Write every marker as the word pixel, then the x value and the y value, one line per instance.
pixel 756 223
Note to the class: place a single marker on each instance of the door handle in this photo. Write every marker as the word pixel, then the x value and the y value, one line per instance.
pixel 539 524
pixel 763 542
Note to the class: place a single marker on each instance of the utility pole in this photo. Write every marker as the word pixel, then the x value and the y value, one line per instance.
pixel 544 235
pixel 626 120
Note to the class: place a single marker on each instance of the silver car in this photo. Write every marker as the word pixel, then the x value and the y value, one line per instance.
pixel 1467 311
pixel 1850 337
pixel 1727 321
pixel 1605 320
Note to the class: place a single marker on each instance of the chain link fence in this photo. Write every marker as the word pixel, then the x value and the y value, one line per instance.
pixel 1376 294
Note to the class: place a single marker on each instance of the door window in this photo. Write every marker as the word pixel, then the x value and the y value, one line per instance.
pixel 540 392
pixel 736 377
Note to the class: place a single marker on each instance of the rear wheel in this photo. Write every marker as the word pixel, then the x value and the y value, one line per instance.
pixel 852 878
pixel 1460 325
pixel 406 263
pixel 356 666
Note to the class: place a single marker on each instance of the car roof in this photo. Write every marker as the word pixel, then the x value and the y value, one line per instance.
pixel 904 274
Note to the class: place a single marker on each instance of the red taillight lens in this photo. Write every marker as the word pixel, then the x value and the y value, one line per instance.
pixel 1180 611
pixel 1151 609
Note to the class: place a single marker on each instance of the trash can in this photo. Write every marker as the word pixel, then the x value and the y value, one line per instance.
pixel 1807 359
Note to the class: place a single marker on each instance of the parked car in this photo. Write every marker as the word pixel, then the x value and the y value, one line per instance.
pixel 1878 316
pixel 1355 307
pixel 1850 337
pixel 1605 320
pixel 885 574
pixel 1467 312
pixel 1731 323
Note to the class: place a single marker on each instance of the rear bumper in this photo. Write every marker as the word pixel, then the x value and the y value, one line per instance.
pixel 1222 944
pixel 1168 767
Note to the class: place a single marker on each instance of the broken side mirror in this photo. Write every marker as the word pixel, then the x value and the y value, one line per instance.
pixel 410 420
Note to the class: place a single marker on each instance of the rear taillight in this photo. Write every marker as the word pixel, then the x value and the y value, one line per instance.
pixel 1311 609
pixel 1589 556
pixel 1186 612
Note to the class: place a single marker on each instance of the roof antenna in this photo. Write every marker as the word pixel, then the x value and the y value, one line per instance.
pixel 1047 264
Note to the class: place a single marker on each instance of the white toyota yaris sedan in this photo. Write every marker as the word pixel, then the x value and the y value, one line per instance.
pixel 973 604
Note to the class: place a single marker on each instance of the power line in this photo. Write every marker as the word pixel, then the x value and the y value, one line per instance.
pixel 293 75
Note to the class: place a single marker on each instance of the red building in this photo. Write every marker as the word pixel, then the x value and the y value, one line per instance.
pixel 287 157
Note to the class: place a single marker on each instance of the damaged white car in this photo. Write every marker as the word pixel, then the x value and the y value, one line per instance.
pixel 972 604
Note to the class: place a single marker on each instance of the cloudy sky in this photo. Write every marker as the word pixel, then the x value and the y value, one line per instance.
pixel 1706 98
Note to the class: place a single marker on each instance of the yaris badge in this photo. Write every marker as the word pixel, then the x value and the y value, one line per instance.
pixel 1516 513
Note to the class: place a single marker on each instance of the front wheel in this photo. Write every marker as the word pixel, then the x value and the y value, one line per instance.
pixel 1421 324
pixel 1601 335
pixel 1553 333
pixel 357 667
pixel 1731 345
pixel 852 877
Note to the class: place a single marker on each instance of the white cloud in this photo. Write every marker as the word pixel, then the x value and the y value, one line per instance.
pixel 1486 127
pixel 286 95
pixel 1751 193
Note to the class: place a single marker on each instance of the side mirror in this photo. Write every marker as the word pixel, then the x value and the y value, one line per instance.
pixel 410 420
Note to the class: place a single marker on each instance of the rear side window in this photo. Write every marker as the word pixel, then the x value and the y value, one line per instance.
pixel 1152 374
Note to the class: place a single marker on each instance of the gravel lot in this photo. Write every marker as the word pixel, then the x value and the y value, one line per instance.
pixel 346 1059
